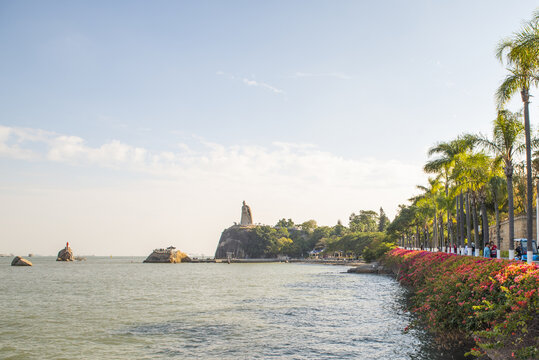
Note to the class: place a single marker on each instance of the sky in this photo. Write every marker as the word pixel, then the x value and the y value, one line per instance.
pixel 131 125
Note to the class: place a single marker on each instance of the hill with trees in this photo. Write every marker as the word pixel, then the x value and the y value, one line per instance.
pixel 364 237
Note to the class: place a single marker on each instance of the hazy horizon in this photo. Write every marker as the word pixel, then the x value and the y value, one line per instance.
pixel 129 126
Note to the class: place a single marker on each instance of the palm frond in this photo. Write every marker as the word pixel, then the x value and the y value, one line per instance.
pixel 487 144
pixel 503 46
pixel 435 165
pixel 509 86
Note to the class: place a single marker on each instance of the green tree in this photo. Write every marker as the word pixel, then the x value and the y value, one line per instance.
pixel 477 169
pixel 521 54
pixel 315 239
pixel 507 142
pixel 402 226
pixel 496 183
pixel 375 249
pixel 339 229
pixel 308 226
pixel 383 221
pixel 280 246
pixel 284 223
pixel 365 221
pixel 445 155
pixel 427 204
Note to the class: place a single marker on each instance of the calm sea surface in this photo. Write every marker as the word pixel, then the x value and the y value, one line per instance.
pixel 119 308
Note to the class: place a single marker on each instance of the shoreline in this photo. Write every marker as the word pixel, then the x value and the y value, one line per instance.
pixel 263 261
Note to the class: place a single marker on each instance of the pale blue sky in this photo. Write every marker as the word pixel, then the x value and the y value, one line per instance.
pixel 354 90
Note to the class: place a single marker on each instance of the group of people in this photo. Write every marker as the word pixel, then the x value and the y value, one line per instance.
pixel 490 250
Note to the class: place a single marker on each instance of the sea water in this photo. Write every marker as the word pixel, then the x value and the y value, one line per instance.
pixel 120 308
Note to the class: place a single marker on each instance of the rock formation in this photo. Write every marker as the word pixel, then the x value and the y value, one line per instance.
pixel 66 254
pixel 237 242
pixel 371 268
pixel 246 215
pixel 19 261
pixel 168 255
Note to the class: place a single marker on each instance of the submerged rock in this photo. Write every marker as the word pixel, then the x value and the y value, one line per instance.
pixel 19 261
pixel 168 255
pixel 66 254
pixel 372 268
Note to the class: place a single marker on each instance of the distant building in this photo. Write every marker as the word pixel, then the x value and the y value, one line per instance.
pixel 520 230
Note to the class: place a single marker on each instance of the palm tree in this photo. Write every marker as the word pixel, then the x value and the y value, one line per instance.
pixel 522 57
pixel 477 172
pixel 461 179
pixel 464 175
pixel 428 205
pixel 507 141
pixel 443 165
pixel 495 184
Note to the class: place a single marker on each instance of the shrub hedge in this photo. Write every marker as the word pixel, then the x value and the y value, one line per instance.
pixel 495 302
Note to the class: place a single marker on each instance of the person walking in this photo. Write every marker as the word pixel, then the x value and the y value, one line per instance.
pixel 493 248
pixel 518 251
pixel 486 251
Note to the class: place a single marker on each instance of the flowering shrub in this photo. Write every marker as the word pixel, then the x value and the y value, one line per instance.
pixel 493 301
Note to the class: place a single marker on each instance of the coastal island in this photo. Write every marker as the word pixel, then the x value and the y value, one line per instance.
pixel 168 255
pixel 66 254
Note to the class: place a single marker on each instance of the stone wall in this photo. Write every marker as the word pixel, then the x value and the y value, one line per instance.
pixel 520 230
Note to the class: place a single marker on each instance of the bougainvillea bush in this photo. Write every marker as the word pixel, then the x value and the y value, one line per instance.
pixel 495 302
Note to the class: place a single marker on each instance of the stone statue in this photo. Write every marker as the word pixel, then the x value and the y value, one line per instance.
pixel 246 216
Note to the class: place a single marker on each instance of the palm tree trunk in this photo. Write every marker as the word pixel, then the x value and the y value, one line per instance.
pixel 476 224
pixel 449 234
pixel 449 229
pixel 457 227
pixel 435 231
pixel 511 209
pixel 497 212
pixel 529 183
pixel 485 226
pixel 498 226
pixel 468 219
pixel 461 240
pixel 441 243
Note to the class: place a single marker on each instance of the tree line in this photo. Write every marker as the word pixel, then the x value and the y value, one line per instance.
pixel 364 237
pixel 476 179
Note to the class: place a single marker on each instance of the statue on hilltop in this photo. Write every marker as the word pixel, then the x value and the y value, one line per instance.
pixel 246 216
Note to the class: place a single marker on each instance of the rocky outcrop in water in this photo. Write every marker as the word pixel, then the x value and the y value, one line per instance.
pixel 168 255
pixel 66 254
pixel 238 241
pixel 371 268
pixel 19 261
